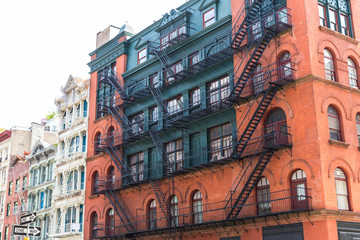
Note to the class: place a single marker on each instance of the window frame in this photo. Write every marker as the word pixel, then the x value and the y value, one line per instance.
pixel 175 154
pixel 95 182
pixel 178 106
pixel 331 128
pixel 358 126
pixel 347 195
pixel 195 97
pixel 140 60
pixel 219 141
pixel 196 203
pixel 220 92
pixel 263 191
pixel 152 212
pixel 210 20
pixel 174 211
pixel 137 123
pixel 353 73
pixel 136 166
pixel 330 74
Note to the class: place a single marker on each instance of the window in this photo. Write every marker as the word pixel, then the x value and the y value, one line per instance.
pixel 15 208
pixel 195 97
pixel 209 17
pixel 137 123
pixel 175 105
pixel 174 211
pixel 85 108
pixel 172 38
pixel 152 215
pixel 219 90
pixel 175 154
pixel 341 190
pixel 64 121
pixel 95 182
pixel 8 208
pixel 154 114
pixel 84 143
pixel 197 207
pixel 42 200
pixel 299 190
pixel 194 59
pixel 276 128
pixel 10 188
pixel 94 224
pixel 256 30
pixel 263 196
pixel 358 126
pixel 142 56
pixel 77 144
pixel 110 178
pixel 97 143
pixel 136 164
pixel 329 65
pixel 334 124
pixel 154 80
pixel 335 15
pixel 6 234
pixel 258 80
pixel 17 185
pixel 164 42
pixel 78 110
pixel 24 182
pixel 352 73
pixel 110 222
pixel 285 65
pixel 176 68
pixel 72 146
pixel 220 141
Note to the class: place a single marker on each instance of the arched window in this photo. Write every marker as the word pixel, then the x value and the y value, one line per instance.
pixel 263 196
pixel 94 225
pixel 110 136
pixel 329 65
pixel 342 193
pixel 97 143
pixel 174 211
pixel 353 78
pixel 298 185
pixel 110 222
pixel 285 66
pixel 152 215
pixel 276 128
pixel 197 207
pixel 110 178
pixel 258 80
pixel 334 124
pixel 358 126
pixel 95 182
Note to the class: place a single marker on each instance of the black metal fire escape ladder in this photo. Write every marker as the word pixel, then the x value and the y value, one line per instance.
pixel 240 34
pixel 161 199
pixel 111 78
pixel 159 99
pixel 125 215
pixel 251 182
pixel 166 61
pixel 120 118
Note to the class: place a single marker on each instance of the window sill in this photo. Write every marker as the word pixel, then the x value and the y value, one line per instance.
pixel 339 35
pixel 338 143
pixel 94 196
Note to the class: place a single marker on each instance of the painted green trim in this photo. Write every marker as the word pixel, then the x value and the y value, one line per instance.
pixel 140 45
pixel 110 56
pixel 218 24
pixel 171 21
pixel 205 5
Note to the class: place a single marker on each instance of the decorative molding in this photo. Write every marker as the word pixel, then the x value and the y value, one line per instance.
pixel 339 35
pixel 206 3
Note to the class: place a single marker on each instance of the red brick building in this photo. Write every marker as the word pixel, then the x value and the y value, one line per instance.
pixel 270 151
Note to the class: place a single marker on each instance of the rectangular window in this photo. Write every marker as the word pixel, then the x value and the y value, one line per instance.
pixel 175 105
pixel 15 208
pixel 322 15
pixel 142 56
pixel 175 154
pixel 43 174
pixel 256 30
pixel 209 17
pixel 194 59
pixel 42 200
pixel 154 80
pixel 195 97
pixel 6 234
pixel 85 108
pixel 24 182
pixel 17 185
pixel 344 25
pixel 333 20
pixel 77 144
pixel 136 164
pixel 220 142
pixel 10 188
pixel 154 114
pixel 164 42
pixel 219 90
pixel 8 208
pixel 137 123
pixel 176 68
pixel 84 143
pixel 182 30
pixel 173 35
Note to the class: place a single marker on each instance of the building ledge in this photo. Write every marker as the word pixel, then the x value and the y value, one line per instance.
pixel 339 143
pixel 339 35
pixel 94 196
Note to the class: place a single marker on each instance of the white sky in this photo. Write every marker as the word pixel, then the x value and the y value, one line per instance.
pixel 42 42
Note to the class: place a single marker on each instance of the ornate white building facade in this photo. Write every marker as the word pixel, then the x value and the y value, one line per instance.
pixel 69 192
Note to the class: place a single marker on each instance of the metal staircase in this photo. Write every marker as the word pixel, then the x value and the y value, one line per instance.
pixel 120 118
pixel 159 99
pixel 110 77
pixel 250 183
pixel 161 199
pixel 166 61
pixel 162 151
pixel 118 204
pixel 255 120
pixel 242 31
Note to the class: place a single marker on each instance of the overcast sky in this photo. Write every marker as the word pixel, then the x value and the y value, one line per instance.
pixel 42 42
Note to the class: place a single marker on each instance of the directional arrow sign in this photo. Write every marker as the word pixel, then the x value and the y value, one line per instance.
pixel 26 231
pixel 28 218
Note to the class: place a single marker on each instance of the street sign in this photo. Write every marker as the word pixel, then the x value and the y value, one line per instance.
pixel 28 218
pixel 26 231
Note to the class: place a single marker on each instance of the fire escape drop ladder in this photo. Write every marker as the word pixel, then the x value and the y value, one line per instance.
pixel 111 78
pixel 165 61
pixel 118 203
